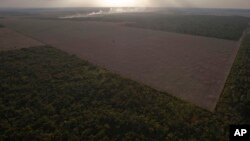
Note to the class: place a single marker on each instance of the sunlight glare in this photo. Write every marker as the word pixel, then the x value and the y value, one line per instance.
pixel 119 3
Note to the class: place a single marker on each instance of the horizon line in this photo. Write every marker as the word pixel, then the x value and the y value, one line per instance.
pixel 125 7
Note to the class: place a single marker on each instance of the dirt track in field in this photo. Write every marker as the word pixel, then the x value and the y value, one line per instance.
pixel 10 40
pixel 192 68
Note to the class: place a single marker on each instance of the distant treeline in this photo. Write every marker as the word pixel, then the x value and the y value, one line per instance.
pixel 47 94
pixel 224 27
pixel 0 24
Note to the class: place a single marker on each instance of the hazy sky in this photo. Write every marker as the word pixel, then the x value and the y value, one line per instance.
pixel 136 3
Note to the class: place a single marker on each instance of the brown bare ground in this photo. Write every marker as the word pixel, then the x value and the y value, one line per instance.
pixel 192 68
pixel 10 40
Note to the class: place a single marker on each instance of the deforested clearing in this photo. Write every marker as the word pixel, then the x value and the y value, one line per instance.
pixel 193 68
pixel 10 40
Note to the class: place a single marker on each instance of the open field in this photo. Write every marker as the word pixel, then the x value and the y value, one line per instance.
pixel 10 40
pixel 51 95
pixel 190 67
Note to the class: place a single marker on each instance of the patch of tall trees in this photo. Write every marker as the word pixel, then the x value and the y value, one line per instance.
pixel 224 27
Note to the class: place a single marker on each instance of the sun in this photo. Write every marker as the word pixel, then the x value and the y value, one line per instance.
pixel 119 3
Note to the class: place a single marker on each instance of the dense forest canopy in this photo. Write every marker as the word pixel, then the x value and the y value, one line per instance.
pixel 47 94
pixel 224 27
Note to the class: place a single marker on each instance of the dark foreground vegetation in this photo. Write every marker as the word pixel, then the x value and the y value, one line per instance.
pixel 235 100
pixel 47 94
pixel 225 27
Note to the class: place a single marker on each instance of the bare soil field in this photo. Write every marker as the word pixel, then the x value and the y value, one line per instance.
pixel 192 68
pixel 10 40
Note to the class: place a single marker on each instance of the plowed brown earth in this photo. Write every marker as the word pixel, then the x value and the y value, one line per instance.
pixel 10 40
pixel 190 67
